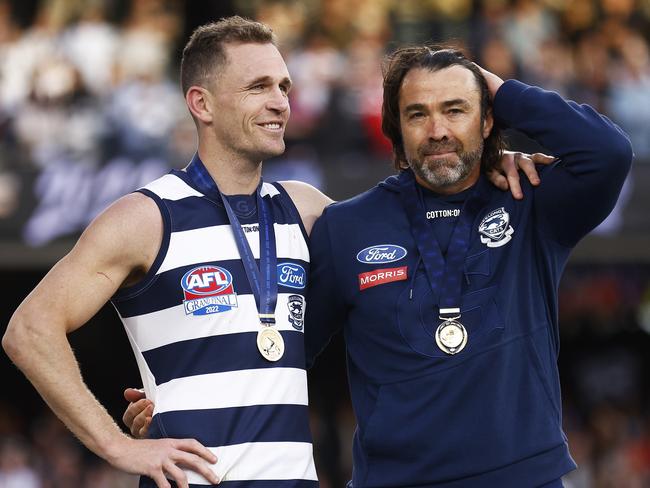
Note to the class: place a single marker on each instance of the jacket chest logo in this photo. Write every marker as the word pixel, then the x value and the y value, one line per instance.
pixel 381 276
pixel 495 229
pixel 381 254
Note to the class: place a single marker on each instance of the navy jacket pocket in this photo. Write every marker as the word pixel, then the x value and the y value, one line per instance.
pixel 477 416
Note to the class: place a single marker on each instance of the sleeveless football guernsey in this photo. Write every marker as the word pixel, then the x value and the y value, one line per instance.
pixel 192 323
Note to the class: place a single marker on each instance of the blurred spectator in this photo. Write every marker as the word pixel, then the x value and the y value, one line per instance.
pixel 554 68
pixel 61 121
pixel 145 105
pixel 315 68
pixel 496 56
pixel 161 18
pixel 91 44
pixel 144 113
pixel 578 16
pixel 629 97
pixel 592 70
pixel 22 53
pixel 527 27
pixel 364 93
pixel 288 18
pixel 15 469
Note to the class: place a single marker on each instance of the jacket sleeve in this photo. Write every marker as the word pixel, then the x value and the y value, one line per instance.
pixel 580 190
pixel 325 307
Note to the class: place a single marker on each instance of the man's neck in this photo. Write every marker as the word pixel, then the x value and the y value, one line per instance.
pixel 233 176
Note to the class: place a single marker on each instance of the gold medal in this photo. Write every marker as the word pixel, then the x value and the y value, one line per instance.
pixel 270 343
pixel 451 336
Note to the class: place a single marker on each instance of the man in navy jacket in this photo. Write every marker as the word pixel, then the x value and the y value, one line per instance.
pixel 446 287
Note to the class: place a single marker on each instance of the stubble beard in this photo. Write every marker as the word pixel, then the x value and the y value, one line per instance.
pixel 253 149
pixel 442 172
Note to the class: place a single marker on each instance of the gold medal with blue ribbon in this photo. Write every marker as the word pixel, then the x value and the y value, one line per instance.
pixel 263 279
pixel 444 274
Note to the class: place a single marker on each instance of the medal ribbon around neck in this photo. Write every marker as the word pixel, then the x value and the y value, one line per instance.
pixel 445 276
pixel 263 280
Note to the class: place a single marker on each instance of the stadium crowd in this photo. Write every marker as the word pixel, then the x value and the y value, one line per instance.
pixel 91 84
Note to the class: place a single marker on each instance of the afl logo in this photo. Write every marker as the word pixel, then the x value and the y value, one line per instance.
pixel 381 254
pixel 207 290
pixel 208 280
pixel 291 275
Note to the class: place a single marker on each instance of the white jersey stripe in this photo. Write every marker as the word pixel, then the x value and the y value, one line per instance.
pixel 268 189
pixel 217 244
pixel 233 389
pixel 148 379
pixel 261 461
pixel 172 187
pixel 147 333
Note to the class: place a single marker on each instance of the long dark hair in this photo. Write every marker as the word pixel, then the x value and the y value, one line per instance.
pixel 433 58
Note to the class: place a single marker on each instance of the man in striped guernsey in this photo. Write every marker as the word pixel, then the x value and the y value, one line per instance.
pixel 218 340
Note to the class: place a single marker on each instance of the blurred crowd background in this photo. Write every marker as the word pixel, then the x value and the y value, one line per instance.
pixel 90 109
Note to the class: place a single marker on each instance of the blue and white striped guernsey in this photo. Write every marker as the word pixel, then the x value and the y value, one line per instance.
pixel 192 323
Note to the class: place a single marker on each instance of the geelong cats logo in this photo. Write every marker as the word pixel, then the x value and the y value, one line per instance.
pixel 495 229
pixel 296 304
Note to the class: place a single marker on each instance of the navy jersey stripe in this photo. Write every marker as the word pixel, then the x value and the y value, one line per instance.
pixel 281 213
pixel 149 483
pixel 198 212
pixel 168 291
pixel 217 354
pixel 237 425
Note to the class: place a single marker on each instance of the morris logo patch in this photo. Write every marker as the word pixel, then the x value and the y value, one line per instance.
pixel 381 276
pixel 495 229
pixel 207 290
pixel 381 254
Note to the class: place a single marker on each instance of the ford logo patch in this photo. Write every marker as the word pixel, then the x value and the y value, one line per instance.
pixel 383 253
pixel 291 275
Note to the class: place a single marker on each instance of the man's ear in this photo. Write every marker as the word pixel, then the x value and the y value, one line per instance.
pixel 200 103
pixel 488 123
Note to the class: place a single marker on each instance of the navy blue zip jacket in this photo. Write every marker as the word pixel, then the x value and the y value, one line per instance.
pixel 490 415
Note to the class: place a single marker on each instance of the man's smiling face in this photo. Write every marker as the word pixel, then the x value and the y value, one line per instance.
pixel 251 97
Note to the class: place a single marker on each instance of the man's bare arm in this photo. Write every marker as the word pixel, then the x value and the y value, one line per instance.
pixel 121 241
pixel 309 201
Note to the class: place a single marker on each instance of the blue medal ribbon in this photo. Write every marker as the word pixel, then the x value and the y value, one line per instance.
pixel 263 279
pixel 445 276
